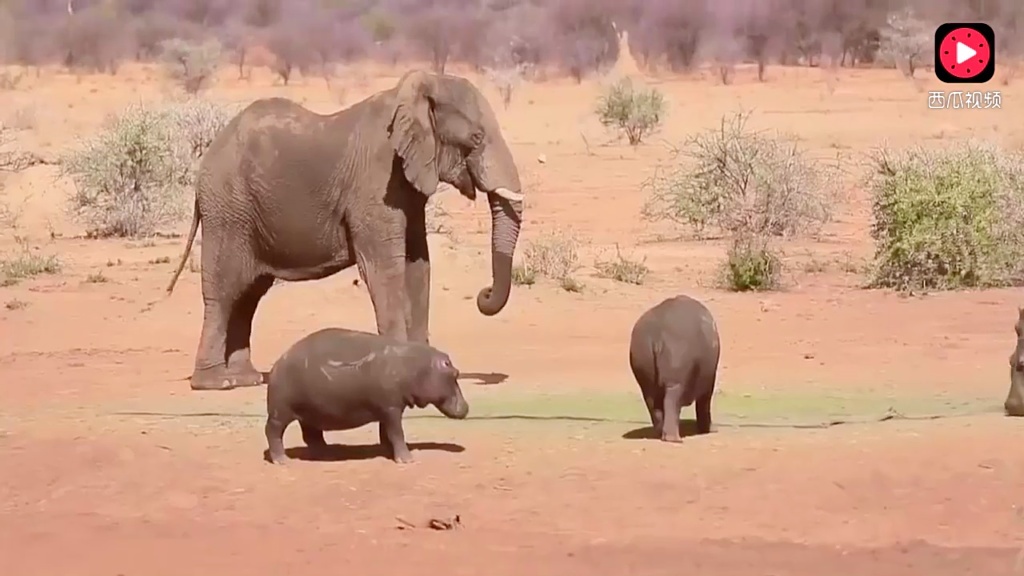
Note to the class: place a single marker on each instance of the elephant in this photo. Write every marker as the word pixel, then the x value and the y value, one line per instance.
pixel 284 193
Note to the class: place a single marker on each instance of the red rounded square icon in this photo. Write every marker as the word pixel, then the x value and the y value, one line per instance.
pixel 965 53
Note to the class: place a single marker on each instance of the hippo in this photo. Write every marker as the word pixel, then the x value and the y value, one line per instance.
pixel 673 352
pixel 338 379
pixel 1014 404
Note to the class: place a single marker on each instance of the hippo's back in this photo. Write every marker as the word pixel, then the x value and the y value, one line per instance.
pixel 677 322
pixel 329 346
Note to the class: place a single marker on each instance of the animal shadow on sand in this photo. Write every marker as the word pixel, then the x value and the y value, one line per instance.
pixel 687 428
pixel 347 452
pixel 484 378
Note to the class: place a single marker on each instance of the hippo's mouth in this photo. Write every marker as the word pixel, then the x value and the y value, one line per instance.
pixel 454 407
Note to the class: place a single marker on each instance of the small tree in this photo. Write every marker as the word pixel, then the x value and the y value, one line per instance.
pixel 906 42
pixel 948 219
pixel 635 112
pixel 192 64
pixel 129 179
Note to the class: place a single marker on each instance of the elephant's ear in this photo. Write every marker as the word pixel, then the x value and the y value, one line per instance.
pixel 412 131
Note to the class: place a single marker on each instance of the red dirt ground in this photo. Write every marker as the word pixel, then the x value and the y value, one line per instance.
pixel 96 482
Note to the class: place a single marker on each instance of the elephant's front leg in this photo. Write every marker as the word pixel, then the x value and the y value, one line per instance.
pixel 417 286
pixel 383 267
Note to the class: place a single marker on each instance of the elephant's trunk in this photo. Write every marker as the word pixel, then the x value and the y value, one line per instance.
pixel 506 219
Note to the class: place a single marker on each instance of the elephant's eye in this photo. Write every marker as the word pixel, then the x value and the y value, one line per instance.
pixel 477 138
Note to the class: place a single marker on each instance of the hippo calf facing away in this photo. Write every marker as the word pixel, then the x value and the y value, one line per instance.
pixel 337 379
pixel 1014 403
pixel 673 352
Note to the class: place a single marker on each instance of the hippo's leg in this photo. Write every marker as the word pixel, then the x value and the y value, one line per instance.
pixel 671 406
pixel 393 437
pixel 653 398
pixel 277 422
pixel 703 408
pixel 313 437
pixel 385 442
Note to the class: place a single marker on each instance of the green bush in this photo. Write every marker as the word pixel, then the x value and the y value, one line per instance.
pixel 635 112
pixel 751 265
pixel 947 219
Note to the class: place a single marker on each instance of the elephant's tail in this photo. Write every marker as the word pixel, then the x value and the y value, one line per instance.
pixel 188 246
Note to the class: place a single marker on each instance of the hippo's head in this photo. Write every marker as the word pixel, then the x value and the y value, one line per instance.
pixel 439 385
pixel 1014 404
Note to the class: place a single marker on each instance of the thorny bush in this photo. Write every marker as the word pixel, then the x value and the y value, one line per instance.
pixel 743 181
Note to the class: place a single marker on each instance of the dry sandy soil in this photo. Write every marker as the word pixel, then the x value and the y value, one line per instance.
pixel 111 465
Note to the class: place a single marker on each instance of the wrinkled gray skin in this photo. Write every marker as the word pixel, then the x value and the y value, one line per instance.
pixel 673 352
pixel 285 193
pixel 336 379
pixel 1014 404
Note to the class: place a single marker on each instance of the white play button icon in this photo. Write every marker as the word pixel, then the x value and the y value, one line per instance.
pixel 964 52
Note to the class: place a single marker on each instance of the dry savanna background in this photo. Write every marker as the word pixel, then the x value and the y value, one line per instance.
pixel 862 255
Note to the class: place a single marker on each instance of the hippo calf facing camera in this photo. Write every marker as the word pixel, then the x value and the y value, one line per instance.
pixel 673 352
pixel 337 379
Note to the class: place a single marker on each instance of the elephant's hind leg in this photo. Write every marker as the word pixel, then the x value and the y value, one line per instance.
pixel 231 295
pixel 238 342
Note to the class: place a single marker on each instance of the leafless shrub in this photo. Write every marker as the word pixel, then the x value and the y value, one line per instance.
pixel 197 122
pixel 740 180
pixel 192 64
pixel 554 255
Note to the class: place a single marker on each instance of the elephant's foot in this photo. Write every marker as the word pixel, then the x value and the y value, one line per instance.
pixel 223 378
pixel 1013 407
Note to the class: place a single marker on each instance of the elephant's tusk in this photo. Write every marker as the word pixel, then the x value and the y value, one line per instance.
pixel 509 195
